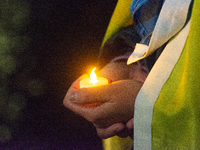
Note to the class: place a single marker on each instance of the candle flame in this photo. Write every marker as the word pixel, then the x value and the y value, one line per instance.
pixel 93 77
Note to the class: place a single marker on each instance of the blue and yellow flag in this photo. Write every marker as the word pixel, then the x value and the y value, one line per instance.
pixel 176 117
pixel 174 121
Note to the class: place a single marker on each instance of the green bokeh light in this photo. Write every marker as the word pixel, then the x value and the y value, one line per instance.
pixel 7 64
pixel 14 17
pixel 14 14
pixel 5 134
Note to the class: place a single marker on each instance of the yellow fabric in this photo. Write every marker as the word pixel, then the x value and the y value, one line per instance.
pixel 120 18
pixel 116 143
pixel 176 123
pixel 176 119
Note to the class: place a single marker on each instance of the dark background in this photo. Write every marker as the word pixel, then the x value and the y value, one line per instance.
pixel 64 40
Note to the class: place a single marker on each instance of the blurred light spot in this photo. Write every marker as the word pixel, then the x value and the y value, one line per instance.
pixel 7 64
pixel 5 134
pixel 16 102
pixel 5 44
pixel 3 99
pixel 14 14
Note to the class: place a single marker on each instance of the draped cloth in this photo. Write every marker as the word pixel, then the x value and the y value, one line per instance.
pixel 176 113
pixel 167 109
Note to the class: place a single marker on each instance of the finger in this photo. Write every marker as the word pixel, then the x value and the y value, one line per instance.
pixel 90 113
pixel 110 111
pixel 130 124
pixel 105 93
pixel 91 95
pixel 128 131
pixel 76 84
pixel 102 93
pixel 110 131
pixel 124 133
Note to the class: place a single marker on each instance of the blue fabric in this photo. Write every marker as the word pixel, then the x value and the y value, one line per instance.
pixel 145 14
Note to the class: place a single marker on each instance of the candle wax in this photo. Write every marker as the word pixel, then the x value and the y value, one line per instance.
pixel 86 82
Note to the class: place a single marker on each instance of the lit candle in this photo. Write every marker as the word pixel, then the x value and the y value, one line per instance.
pixel 93 81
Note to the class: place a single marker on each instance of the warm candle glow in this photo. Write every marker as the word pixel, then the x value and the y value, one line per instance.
pixel 93 81
pixel 93 77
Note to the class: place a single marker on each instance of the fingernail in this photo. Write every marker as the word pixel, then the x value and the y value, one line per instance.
pixel 72 96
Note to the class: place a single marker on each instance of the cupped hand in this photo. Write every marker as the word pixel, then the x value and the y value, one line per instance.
pixel 108 107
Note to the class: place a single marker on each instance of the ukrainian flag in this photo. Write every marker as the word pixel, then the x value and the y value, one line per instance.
pixel 174 86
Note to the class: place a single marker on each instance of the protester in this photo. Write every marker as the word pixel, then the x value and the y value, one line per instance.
pixel 154 93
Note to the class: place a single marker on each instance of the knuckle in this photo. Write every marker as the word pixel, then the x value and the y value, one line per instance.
pixel 102 134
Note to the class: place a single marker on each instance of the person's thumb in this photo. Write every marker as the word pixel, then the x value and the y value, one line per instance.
pixel 90 95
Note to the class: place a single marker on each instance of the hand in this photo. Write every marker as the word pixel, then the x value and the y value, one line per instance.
pixel 111 107
pixel 115 103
